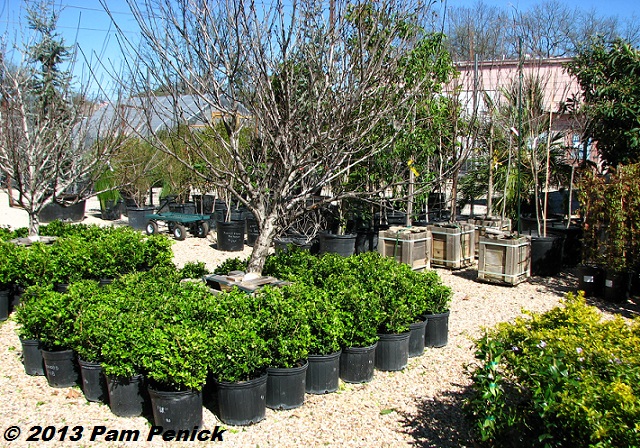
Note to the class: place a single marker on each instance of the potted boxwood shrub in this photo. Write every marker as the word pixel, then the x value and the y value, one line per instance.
pixel 92 308
pixel 46 315
pixel 437 316
pixel 287 332
pixel 361 314
pixel 327 329
pixel 70 260
pixel 239 358
pixel 8 275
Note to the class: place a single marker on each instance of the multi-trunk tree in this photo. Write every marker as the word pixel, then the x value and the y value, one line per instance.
pixel 47 147
pixel 309 82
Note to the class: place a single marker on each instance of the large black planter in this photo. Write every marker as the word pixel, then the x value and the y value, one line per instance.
pixel 127 396
pixel 392 353
pixel 357 364
pixel 416 338
pixel 241 403
pixel 323 374
pixel 137 217
pixel 112 210
pixel 61 368
pixel 219 213
pixel 546 255
pixel 344 245
pixel 204 203
pixel 54 211
pixel 591 280
pixel 230 235
pixel 437 330
pixel 175 410
pixel 4 304
pixel 617 286
pixel 94 384
pixel 571 243
pixel 32 357
pixel 252 229
pixel 286 386
pixel 367 240
pixel 283 244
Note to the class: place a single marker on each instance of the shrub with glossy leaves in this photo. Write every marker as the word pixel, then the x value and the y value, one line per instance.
pixel 566 377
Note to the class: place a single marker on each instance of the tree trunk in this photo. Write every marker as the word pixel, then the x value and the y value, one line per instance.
pixel 34 226
pixel 262 245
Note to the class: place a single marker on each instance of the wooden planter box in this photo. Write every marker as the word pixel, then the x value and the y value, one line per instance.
pixel 452 245
pixel 504 260
pixel 410 245
pixel 482 224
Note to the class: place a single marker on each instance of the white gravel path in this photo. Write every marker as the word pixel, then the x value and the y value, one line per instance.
pixel 418 406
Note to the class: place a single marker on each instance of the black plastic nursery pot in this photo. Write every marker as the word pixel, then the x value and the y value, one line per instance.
pixel 127 396
pixel 4 304
pixel 230 235
pixel 357 364
pixel 286 386
pixel 392 353
pixel 94 384
pixel 252 229
pixel 219 213
pixel 617 286
pixel 323 374
pixel 283 244
pixel 32 357
pixel 546 255
pixel 344 245
pixel 112 211
pixel 137 217
pixel 241 403
pixel 366 241
pixel 416 338
pixel 54 211
pixel 61 368
pixel 175 410
pixel 591 280
pixel 437 330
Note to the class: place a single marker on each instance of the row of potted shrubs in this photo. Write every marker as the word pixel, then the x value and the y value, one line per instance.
pixel 180 335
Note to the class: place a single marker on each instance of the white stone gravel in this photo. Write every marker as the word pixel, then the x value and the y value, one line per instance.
pixel 418 406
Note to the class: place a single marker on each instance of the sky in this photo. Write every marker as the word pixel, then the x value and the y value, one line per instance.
pixel 86 22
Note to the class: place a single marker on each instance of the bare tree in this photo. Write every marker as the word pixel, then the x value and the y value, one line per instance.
pixel 289 97
pixel 47 146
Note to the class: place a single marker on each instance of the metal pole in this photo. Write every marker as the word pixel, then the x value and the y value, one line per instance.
pixel 519 183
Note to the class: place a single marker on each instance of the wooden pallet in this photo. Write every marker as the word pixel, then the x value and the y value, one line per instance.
pixel 236 279
pixel 409 245
pixel 504 259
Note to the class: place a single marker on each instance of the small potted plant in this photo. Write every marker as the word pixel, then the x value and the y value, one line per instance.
pixel 287 332
pixel 239 358
pixel 45 315
pixel 8 275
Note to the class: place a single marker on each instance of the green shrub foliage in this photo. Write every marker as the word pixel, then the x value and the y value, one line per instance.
pixel 566 377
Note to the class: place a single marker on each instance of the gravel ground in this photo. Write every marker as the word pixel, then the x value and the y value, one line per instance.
pixel 420 406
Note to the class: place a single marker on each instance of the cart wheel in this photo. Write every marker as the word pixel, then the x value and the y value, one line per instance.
pixel 179 232
pixel 152 227
pixel 202 229
pixel 171 225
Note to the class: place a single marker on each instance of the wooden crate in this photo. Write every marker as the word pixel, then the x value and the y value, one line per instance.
pixel 410 245
pixel 452 245
pixel 504 259
pixel 482 224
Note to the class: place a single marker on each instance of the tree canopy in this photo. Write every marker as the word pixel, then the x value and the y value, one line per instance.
pixel 609 75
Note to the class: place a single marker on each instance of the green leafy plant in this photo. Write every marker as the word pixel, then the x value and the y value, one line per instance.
pixel 46 315
pixel 238 350
pixel 9 264
pixel 563 377
pixel 285 326
pixel 231 264
pixel 194 270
